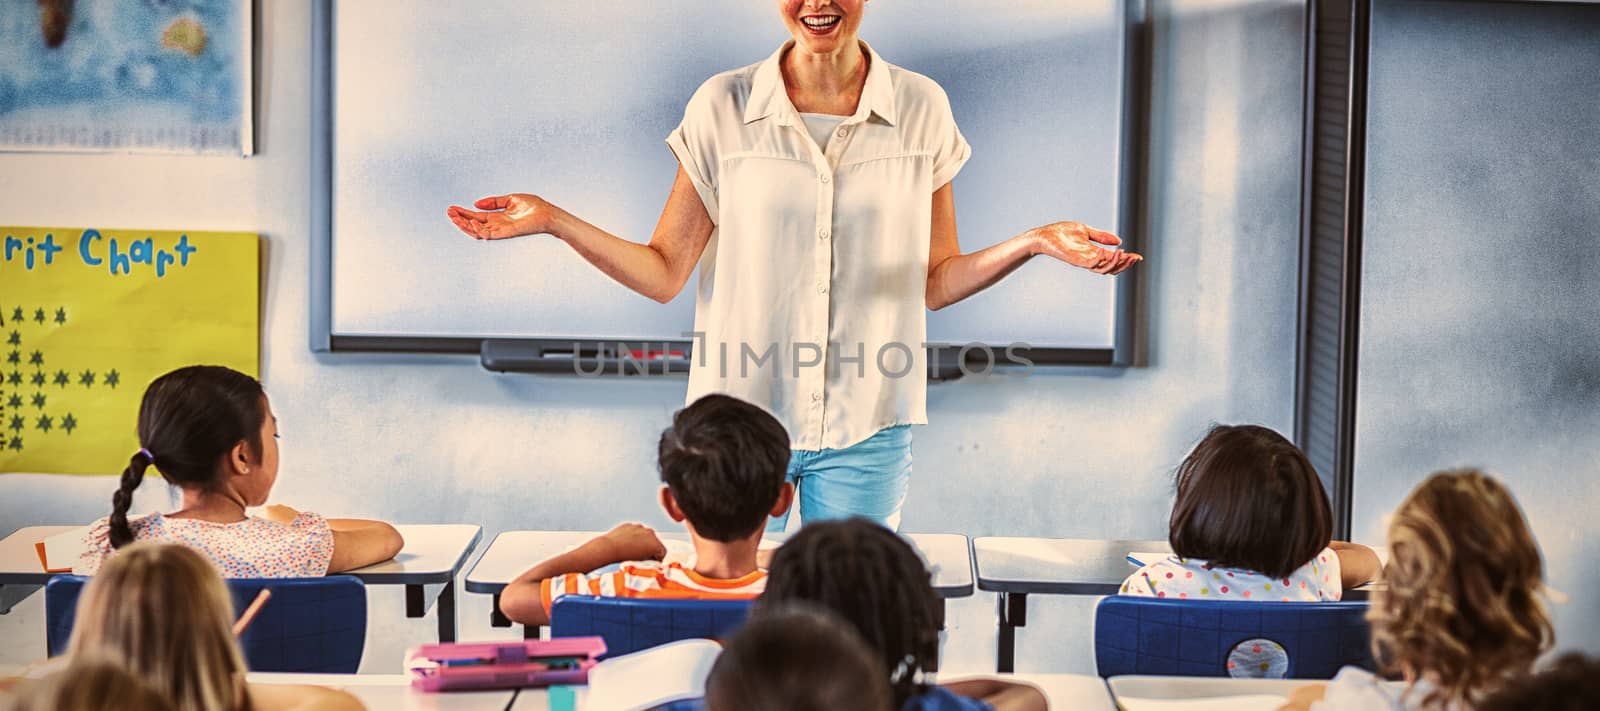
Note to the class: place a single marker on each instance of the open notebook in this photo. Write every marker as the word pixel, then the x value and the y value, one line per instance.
pixel 643 680
pixel 60 552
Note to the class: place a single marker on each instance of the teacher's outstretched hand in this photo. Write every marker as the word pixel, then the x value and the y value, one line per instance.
pixel 504 216
pixel 1079 245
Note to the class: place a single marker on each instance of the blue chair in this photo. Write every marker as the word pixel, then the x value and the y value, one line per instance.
pixel 631 624
pixel 1294 640
pixel 312 625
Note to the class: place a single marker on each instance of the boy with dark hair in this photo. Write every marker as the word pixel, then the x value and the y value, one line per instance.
pixel 723 463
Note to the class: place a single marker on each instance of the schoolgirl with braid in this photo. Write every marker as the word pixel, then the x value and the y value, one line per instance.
pixel 873 580
pixel 210 432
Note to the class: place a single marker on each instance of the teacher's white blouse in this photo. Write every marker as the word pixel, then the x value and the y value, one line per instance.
pixel 811 294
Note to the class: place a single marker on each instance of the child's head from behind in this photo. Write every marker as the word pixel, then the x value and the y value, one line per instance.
pixel 204 427
pixel 88 684
pixel 163 611
pixel 724 461
pixel 870 578
pixel 796 658
pixel 1248 499
pixel 1463 580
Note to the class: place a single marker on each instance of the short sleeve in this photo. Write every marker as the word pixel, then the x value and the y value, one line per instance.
pixel 1138 584
pixel 694 143
pixel 96 548
pixel 1358 690
pixel 311 549
pixel 552 589
pixel 950 148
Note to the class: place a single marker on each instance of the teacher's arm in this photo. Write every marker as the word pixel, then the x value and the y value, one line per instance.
pixel 953 276
pixel 657 270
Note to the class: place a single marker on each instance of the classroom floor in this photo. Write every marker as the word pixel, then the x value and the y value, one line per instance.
pixel 1057 638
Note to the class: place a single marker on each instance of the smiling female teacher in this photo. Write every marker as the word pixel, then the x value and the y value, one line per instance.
pixel 813 191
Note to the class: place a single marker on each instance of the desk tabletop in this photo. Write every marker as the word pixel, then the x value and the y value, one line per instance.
pixel 1084 692
pixel 19 561
pixel 1199 687
pixel 948 556
pixel 433 553
pixel 393 691
pixel 1061 566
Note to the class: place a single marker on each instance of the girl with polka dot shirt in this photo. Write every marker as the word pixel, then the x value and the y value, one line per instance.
pixel 1252 522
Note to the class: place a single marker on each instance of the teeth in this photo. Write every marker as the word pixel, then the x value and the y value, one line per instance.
pixel 821 22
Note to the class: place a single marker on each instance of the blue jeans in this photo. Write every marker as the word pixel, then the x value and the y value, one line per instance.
pixel 866 479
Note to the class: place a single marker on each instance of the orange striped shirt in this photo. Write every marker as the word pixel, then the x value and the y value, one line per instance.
pixel 652 579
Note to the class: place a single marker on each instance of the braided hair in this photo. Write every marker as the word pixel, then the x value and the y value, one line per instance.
pixel 871 579
pixel 189 419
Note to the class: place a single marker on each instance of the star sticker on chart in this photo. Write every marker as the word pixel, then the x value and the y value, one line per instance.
pixel 61 316
pixel 113 378
pixel 62 378
pixel 45 422
pixel 36 358
pixel 14 401
pixel 86 379
pixel 14 357
pixel 15 339
pixel 37 379
pixel 37 400
pixel 16 443
pixel 16 314
pixel 15 378
pixel 38 316
pixel 17 423
pixel 69 423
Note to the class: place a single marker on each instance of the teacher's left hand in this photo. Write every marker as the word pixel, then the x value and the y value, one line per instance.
pixel 1079 245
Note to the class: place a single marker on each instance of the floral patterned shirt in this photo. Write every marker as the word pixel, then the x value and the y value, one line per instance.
pixel 252 548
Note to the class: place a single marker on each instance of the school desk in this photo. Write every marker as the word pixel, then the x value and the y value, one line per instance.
pixel 949 557
pixel 1017 567
pixel 1082 692
pixel 1199 687
pixel 393 692
pixel 432 557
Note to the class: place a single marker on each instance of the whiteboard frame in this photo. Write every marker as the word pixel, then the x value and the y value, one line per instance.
pixel 548 355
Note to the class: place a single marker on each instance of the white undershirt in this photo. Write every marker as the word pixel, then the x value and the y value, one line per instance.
pixel 821 126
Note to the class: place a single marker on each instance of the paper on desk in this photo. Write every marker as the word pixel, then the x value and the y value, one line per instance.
pixel 642 680
pixel 1253 702
pixel 1147 557
pixel 58 553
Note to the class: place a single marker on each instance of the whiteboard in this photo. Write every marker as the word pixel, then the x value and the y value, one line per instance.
pixel 430 104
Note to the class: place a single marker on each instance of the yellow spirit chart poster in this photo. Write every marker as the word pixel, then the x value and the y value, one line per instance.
pixel 88 317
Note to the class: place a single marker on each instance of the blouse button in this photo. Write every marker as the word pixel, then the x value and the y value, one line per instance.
pixel 822 235
pixel 843 132
pixel 825 177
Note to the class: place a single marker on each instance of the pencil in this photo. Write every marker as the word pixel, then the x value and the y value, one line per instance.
pixel 251 611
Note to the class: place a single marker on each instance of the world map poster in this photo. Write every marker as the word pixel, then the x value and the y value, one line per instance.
pixel 146 76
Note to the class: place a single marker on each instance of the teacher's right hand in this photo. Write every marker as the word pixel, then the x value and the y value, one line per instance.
pixel 504 216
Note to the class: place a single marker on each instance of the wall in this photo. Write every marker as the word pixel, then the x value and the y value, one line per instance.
pixel 1480 302
pixel 1078 452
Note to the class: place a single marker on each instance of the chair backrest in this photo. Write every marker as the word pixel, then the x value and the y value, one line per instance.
pixel 631 624
pixel 312 625
pixel 1294 640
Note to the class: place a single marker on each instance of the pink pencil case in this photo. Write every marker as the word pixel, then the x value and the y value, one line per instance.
pixel 503 665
